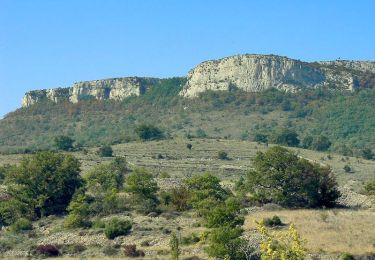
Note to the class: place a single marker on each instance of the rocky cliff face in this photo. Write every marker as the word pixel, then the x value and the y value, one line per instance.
pixel 258 72
pixel 115 89
pixel 247 72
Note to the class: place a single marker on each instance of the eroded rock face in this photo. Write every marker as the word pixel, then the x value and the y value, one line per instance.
pixel 251 73
pixel 259 72
pixel 116 89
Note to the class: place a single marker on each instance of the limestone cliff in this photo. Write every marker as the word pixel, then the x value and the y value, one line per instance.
pixel 115 89
pixel 247 72
pixel 258 72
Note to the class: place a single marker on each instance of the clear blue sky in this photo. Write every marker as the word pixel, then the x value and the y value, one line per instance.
pixel 52 43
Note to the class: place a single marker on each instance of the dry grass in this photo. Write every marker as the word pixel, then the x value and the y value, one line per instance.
pixel 330 231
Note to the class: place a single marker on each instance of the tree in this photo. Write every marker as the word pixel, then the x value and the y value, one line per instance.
pixel 225 242
pixel 46 182
pixel 79 210
pixel 143 187
pixel 321 143
pixel 149 132
pixel 367 154
pixel 206 192
pixel 107 176
pixel 105 151
pixel 280 176
pixel 225 214
pixel 286 137
pixel 174 244
pixel 180 197
pixel 64 143
pixel 260 138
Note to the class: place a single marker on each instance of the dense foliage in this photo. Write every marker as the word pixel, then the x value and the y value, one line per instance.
pixel 281 177
pixel 44 183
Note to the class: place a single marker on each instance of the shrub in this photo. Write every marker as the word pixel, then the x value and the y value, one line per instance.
pixel 225 243
pixel 110 250
pixel 286 137
pixel 222 155
pixel 348 168
pixel 286 245
pixel 192 239
pixel 20 225
pixel 149 132
pixel 272 222
pixel 174 244
pixel 164 175
pixel 321 143
pixel 281 177
pixel 189 146
pixel 48 250
pixel 346 256
pixel 105 151
pixel 180 197
pixel 260 138
pixel 117 227
pixel 370 187
pixel 64 143
pixel 367 154
pixel 131 251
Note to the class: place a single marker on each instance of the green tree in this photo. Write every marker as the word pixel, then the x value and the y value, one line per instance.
pixel 46 182
pixel 117 227
pixel 206 192
pixel 143 188
pixel 174 244
pixel 286 137
pixel 107 176
pixel 321 143
pixel 79 210
pixel 280 176
pixel 225 214
pixel 105 151
pixel 225 243
pixel 64 143
pixel 149 132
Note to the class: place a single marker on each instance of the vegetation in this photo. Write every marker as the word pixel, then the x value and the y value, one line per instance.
pixel 149 132
pixel 64 143
pixel 142 186
pixel 41 185
pixel 280 176
pixel 117 227
pixel 175 247
pixel 105 151
pixel 370 187
pixel 272 222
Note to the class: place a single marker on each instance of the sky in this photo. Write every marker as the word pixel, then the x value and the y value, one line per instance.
pixel 54 43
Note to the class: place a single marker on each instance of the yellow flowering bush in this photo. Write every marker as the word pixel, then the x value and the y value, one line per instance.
pixel 286 245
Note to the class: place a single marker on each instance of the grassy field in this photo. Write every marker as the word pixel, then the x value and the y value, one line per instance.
pixel 328 231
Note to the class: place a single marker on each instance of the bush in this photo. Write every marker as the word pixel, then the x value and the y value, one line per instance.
pixel 105 151
pixel 48 250
pixel 20 225
pixel 225 214
pixel 281 177
pixel 110 250
pixel 222 155
pixel 64 143
pixel 348 168
pixel 225 242
pixel 272 222
pixel 164 175
pixel 367 154
pixel 286 137
pixel 370 187
pixel 321 143
pixel 346 256
pixel 149 132
pixel 131 251
pixel 180 197
pixel 260 138
pixel 189 146
pixel 174 244
pixel 117 227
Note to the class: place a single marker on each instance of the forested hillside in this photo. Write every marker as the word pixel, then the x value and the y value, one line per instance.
pixel 319 119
